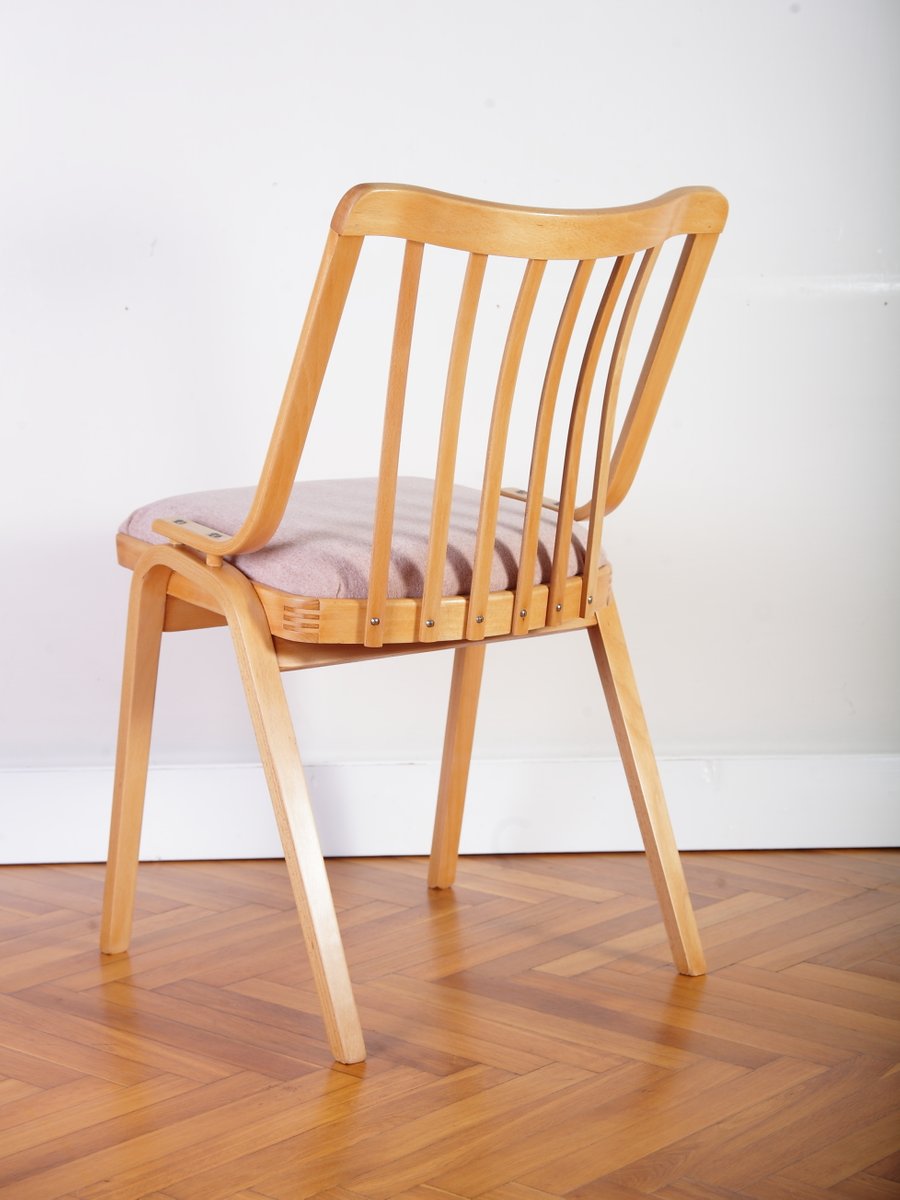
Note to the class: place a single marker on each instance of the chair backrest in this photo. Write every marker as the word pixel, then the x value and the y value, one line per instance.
pixel 630 237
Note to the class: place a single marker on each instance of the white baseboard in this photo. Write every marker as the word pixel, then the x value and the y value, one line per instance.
pixel 513 807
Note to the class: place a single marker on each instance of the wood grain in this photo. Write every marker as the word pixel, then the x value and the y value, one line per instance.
pixel 190 584
pixel 527 1036
pixel 383 530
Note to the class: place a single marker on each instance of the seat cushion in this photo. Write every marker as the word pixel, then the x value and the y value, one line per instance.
pixel 324 543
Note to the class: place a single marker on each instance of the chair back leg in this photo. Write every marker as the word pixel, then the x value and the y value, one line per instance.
pixel 642 772
pixel 146 616
pixel 294 816
pixel 468 665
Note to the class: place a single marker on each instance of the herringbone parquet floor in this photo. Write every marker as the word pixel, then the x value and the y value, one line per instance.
pixel 527 1036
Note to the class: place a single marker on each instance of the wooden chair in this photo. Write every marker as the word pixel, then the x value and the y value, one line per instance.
pixel 473 567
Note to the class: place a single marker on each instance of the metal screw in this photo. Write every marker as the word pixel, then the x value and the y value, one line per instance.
pixel 375 621
pixel 478 620
pixel 429 624
pixel 559 608
pixel 180 521
pixel 523 612
pixel 213 535
pixel 590 599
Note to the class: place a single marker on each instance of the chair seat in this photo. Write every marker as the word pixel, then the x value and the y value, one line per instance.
pixel 323 546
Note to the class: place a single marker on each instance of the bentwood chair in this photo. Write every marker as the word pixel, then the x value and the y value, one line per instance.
pixel 329 572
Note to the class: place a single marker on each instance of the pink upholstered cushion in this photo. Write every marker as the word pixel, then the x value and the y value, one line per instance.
pixel 324 543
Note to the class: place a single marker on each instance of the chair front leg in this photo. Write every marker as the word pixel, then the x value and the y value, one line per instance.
pixel 468 665
pixel 642 772
pixel 146 615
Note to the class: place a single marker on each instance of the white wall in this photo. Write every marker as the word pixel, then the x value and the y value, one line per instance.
pixel 168 171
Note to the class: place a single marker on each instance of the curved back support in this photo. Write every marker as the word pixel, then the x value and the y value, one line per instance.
pixel 421 217
pixel 480 227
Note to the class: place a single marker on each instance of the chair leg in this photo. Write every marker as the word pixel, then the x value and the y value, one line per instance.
pixel 296 826
pixel 629 723
pixel 146 614
pixel 468 664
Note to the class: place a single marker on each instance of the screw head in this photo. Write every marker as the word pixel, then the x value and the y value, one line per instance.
pixel 590 599
pixel 429 624
pixel 179 521
pixel 214 535
pixel 478 620
pixel 523 612
pixel 375 621
pixel 559 608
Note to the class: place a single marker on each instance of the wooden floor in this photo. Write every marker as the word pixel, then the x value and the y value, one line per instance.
pixel 527 1036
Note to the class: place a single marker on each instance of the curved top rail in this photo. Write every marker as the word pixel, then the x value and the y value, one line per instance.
pixel 481 227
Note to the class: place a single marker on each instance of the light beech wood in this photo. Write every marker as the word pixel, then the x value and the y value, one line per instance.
pixel 190 583
pixel 658 364
pixel 146 617
pixel 297 655
pixel 522 494
pixel 181 615
pixel 298 404
pixel 447 446
pixel 642 773
pixel 390 444
pixel 420 215
pixel 496 447
pixel 468 665
pixel 258 664
pixel 395 210
pixel 575 435
pixel 535 500
pixel 607 422
pixel 322 621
